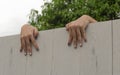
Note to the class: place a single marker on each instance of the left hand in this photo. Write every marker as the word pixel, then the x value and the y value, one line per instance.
pixel 28 36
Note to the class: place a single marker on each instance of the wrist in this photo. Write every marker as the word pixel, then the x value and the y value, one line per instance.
pixel 90 19
pixel 85 19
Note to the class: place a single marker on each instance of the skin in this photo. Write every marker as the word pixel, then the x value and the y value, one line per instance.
pixel 27 37
pixel 76 30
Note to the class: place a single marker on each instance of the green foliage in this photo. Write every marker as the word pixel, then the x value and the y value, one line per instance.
pixel 59 12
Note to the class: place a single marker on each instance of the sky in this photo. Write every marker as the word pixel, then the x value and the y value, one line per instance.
pixel 14 14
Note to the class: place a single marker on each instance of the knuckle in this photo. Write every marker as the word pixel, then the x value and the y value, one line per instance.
pixel 35 28
pixel 29 35
pixel 75 41
pixel 75 26
pixel 78 35
pixel 29 47
pixel 36 45
pixel 83 31
pixel 70 35
pixel 25 36
pixel 80 26
pixel 34 42
pixel 72 26
pixel 37 33
pixel 67 25
pixel 22 37
pixel 79 38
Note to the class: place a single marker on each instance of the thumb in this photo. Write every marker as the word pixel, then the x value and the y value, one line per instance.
pixel 67 27
pixel 35 33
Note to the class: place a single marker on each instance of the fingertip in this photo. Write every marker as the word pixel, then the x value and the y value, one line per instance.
pixel 67 29
pixel 75 47
pixel 30 51
pixel 37 49
pixel 85 40
pixel 36 37
pixel 20 50
pixel 35 33
pixel 81 45
pixel 69 44
pixel 25 54
pixel 30 54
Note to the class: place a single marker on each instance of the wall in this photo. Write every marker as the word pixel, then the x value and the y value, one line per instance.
pixel 99 56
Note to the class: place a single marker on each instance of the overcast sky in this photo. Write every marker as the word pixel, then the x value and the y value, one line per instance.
pixel 14 13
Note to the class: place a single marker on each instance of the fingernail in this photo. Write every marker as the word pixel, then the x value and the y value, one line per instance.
pixel 75 47
pixel 20 50
pixel 69 44
pixel 37 49
pixel 80 45
pixel 30 54
pixel 85 40
pixel 36 37
pixel 25 54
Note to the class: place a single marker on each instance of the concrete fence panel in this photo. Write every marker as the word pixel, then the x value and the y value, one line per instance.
pixel 99 56
pixel 116 47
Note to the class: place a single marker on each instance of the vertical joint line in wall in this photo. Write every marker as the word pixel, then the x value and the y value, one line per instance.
pixel 26 66
pixel 11 57
pixel 112 43
pixel 10 60
pixel 52 61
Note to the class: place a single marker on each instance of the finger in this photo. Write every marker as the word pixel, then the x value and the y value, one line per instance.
pixel 29 50
pixel 81 42
pixel 83 34
pixel 34 43
pixel 35 32
pixel 24 46
pixel 74 37
pixel 70 37
pixel 21 48
pixel 25 51
pixel 79 36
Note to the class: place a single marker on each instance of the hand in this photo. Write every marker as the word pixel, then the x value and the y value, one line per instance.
pixel 76 29
pixel 27 37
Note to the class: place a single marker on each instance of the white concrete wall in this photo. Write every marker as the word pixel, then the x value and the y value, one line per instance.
pixel 99 56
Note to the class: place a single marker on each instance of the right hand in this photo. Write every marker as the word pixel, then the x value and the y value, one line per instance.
pixel 77 32
pixel 27 37
pixel 76 29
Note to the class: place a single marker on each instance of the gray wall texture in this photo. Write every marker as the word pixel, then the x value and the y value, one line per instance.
pixel 99 56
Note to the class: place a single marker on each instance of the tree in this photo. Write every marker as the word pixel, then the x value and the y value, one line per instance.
pixel 59 12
